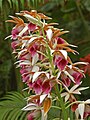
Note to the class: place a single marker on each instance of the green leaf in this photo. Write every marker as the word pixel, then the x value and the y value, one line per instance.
pixel 23 116
pixel 11 105
pixel 10 3
pixel 15 3
pixel 22 3
pixel 1 4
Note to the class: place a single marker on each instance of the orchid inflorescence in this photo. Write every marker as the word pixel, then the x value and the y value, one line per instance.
pixel 46 67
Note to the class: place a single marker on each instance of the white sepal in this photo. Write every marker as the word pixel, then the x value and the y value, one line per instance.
pixel 64 53
pixel 74 87
pixel 49 34
pixel 83 63
pixel 33 20
pixel 36 75
pixel 81 108
pixel 8 37
pixel 23 31
pixel 77 113
pixel 35 59
pixel 63 94
pixel 30 106
pixel 42 97
pixel 35 69
pixel 67 97
pixel 69 76
pixel 43 117
pixel 87 101
pixel 32 39
pixel 82 88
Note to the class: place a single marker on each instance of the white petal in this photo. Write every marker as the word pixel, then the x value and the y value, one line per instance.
pixel 30 18
pixel 87 101
pixel 66 88
pixel 36 75
pixel 33 20
pixel 69 76
pixel 64 94
pixel 42 97
pixel 67 97
pixel 76 92
pixel 23 31
pixel 64 52
pixel 43 117
pixel 25 89
pixel 58 75
pixel 19 53
pixel 8 37
pixel 82 88
pixel 78 63
pixel 24 43
pixel 32 39
pixel 35 59
pixel 77 113
pixel 52 51
pixel 18 61
pixel 72 45
pixel 74 87
pixel 70 66
pixel 81 108
pixel 26 62
pixel 49 34
pixel 35 69
pixel 30 106
pixel 47 74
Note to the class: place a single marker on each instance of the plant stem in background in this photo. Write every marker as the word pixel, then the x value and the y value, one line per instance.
pixel 64 111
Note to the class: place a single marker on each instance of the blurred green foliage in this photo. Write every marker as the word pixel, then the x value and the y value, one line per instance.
pixel 11 105
pixel 72 15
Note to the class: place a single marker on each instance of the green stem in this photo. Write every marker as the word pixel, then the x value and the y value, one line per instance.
pixel 50 57
pixel 64 112
pixel 56 107
pixel 76 102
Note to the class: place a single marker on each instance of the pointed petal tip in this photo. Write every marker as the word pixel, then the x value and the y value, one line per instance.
pixel 10 16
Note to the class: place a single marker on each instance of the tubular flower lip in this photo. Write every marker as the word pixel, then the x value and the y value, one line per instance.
pixel 30 117
pixel 66 80
pixel 14 44
pixel 42 84
pixel 60 59
pixel 87 67
pixel 14 33
pixel 33 115
pixel 60 40
pixel 31 26
pixel 74 73
pixel 40 87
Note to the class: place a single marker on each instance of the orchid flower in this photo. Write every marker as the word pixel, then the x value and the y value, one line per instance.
pixel 74 90
pixel 83 108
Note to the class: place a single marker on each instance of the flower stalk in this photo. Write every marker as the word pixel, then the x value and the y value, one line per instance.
pixel 62 104
pixel 42 56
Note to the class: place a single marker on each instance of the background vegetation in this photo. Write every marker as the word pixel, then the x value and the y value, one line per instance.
pixel 72 15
